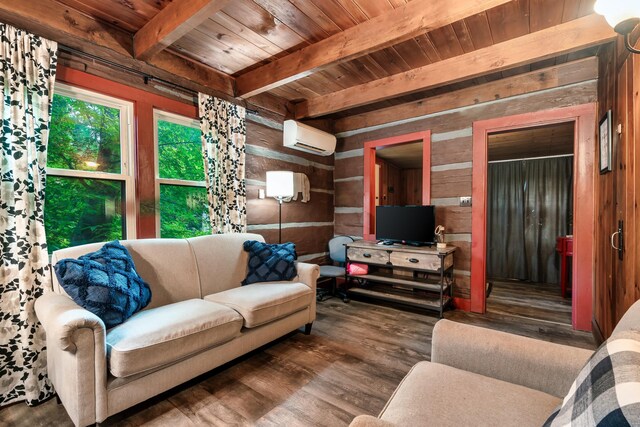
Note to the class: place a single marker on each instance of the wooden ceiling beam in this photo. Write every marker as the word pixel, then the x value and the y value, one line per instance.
pixel 76 30
pixel 401 24
pixel 171 23
pixel 578 71
pixel 574 35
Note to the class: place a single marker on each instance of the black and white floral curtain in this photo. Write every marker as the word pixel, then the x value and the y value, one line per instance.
pixel 224 133
pixel 27 74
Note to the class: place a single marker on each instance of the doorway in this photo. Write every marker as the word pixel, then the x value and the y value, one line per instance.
pixel 397 171
pixel 530 211
pixel 583 118
pixel 399 174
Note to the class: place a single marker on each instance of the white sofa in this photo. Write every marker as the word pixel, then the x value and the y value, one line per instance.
pixel 199 317
pixel 482 377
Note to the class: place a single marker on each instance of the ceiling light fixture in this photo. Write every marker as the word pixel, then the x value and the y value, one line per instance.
pixel 622 15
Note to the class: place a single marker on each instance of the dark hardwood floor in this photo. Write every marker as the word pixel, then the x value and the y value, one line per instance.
pixel 351 363
pixel 541 301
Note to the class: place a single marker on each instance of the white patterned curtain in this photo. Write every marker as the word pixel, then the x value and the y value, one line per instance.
pixel 224 132
pixel 27 74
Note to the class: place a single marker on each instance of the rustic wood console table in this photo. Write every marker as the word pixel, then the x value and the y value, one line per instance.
pixel 416 276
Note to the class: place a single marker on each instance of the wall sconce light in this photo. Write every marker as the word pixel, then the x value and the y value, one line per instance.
pixel 279 186
pixel 622 15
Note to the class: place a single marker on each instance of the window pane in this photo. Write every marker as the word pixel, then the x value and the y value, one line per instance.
pixel 79 211
pixel 184 211
pixel 84 136
pixel 179 152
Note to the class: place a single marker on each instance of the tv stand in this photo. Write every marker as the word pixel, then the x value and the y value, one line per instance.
pixel 418 244
pixel 386 242
pixel 415 276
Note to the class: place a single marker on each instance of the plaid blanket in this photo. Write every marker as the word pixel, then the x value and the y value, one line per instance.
pixel 607 390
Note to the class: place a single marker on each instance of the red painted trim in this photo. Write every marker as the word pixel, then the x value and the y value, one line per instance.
pixel 478 219
pixel 584 117
pixel 369 191
pixel 144 104
pixel 118 90
pixel 463 304
pixel 426 168
pixel 145 170
pixel 370 165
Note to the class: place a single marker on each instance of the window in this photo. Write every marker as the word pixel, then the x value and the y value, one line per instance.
pixel 90 193
pixel 184 208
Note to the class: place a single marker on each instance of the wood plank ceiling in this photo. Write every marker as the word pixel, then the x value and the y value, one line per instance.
pixel 243 35
pixel 541 141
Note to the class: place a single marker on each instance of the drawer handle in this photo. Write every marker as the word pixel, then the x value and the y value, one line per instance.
pixel 414 260
pixel 366 255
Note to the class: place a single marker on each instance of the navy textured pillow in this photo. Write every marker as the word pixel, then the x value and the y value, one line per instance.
pixel 270 262
pixel 105 282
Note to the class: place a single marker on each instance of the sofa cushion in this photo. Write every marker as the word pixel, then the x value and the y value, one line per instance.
pixel 221 260
pixel 439 395
pixel 105 282
pixel 270 262
pixel 162 335
pixel 168 266
pixel 264 302
pixel 607 390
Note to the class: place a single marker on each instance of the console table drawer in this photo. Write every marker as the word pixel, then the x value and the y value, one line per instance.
pixel 418 261
pixel 372 256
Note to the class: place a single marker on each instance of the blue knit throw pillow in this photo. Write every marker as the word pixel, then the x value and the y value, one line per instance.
pixel 270 262
pixel 105 282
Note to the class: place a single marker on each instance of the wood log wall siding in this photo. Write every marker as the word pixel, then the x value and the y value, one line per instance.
pixel 308 225
pixel 617 283
pixel 451 145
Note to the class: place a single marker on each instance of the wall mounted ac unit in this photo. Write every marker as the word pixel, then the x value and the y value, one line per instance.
pixel 306 138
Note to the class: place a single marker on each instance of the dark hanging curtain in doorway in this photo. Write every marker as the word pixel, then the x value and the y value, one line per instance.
pixel 529 204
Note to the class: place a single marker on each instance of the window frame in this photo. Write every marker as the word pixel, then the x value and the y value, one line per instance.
pixel 127 151
pixel 179 120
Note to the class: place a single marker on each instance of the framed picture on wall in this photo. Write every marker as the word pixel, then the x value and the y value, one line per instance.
pixel 605 143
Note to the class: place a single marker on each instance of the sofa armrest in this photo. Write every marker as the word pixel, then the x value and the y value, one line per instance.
pixel 76 357
pixel 61 317
pixel 308 274
pixel 536 364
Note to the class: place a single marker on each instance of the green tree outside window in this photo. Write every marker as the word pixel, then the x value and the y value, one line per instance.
pixel 83 137
pixel 184 210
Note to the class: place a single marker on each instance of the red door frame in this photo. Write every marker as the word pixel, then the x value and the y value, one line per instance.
pixel 370 167
pixel 584 117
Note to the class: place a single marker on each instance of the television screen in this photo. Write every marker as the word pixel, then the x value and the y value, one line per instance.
pixel 408 224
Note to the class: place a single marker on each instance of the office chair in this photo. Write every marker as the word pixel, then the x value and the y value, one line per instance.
pixel 338 254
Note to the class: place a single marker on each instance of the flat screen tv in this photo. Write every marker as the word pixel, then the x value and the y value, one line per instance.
pixel 411 225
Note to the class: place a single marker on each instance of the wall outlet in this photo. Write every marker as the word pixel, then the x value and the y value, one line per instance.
pixel 465 201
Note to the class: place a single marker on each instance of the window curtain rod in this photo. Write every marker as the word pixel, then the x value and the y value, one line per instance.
pixel 146 76
pixel 531 158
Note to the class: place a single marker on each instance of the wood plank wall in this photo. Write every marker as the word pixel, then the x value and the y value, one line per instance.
pixel 399 186
pixel 411 186
pixel 308 225
pixel 451 123
pixel 617 283
pixel 390 182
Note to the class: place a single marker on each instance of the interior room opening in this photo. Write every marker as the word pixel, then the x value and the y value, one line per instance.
pixel 530 222
pixel 398 175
